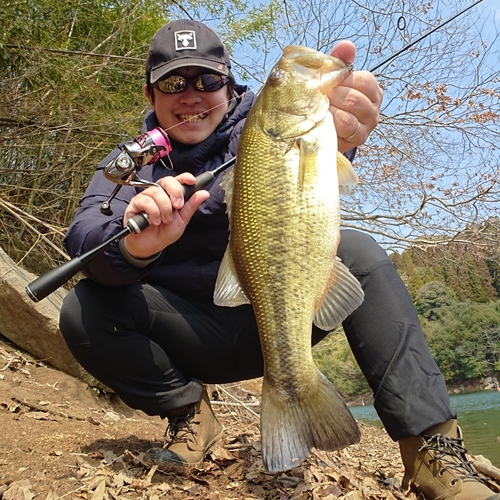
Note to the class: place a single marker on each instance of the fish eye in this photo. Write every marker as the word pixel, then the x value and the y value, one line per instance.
pixel 277 75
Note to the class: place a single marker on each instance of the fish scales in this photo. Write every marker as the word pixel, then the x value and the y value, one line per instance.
pixel 284 212
pixel 268 261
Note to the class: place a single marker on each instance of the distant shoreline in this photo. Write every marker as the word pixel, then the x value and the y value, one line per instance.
pixel 472 385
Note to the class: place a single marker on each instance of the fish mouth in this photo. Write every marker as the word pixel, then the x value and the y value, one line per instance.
pixel 192 118
pixel 309 63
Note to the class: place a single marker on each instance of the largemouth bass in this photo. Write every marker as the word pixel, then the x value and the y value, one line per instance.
pixel 284 212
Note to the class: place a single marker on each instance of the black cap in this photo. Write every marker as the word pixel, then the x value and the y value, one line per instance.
pixel 186 43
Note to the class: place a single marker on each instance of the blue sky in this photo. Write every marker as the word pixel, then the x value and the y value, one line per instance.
pixel 487 14
pixel 434 155
pixel 489 10
pixel 491 7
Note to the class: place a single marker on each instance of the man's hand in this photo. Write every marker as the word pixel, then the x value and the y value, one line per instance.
pixel 355 103
pixel 168 215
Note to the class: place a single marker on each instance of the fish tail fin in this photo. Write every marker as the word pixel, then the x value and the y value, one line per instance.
pixel 290 429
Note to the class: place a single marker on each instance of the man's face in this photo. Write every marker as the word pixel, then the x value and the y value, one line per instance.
pixel 190 116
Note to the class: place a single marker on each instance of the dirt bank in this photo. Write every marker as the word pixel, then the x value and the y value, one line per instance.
pixel 60 439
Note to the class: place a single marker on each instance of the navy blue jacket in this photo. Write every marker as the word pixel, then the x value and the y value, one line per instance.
pixel 190 265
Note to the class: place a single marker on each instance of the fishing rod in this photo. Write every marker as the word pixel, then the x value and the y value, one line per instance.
pixel 53 279
pixel 144 150
pixel 420 38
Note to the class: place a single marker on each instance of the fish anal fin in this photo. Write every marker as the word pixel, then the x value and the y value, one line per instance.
pixel 320 420
pixel 228 291
pixel 344 296
pixel 346 174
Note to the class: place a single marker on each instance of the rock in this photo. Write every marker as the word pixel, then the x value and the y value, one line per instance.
pixel 34 326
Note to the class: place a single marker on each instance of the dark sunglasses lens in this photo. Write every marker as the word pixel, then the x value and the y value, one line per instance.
pixel 172 85
pixel 207 82
pixel 210 82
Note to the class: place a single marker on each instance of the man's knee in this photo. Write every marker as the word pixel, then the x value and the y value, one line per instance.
pixel 360 252
pixel 84 311
pixel 72 314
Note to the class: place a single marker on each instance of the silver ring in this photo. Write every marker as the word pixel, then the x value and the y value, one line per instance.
pixel 357 130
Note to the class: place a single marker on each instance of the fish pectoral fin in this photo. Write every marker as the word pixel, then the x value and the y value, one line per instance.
pixel 228 291
pixel 346 174
pixel 344 296
pixel 226 185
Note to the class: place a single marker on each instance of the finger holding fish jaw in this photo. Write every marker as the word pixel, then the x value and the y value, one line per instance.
pixel 355 103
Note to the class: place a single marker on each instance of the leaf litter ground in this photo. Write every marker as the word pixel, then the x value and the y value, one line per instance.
pixel 61 439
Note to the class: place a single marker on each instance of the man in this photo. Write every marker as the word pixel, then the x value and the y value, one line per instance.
pixel 145 324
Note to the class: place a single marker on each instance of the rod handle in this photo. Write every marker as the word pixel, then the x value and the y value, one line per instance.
pixel 202 181
pixel 53 279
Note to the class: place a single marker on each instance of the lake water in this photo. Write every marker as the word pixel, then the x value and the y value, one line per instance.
pixel 478 417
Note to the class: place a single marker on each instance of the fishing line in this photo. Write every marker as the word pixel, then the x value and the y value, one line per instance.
pixel 207 110
pixel 401 23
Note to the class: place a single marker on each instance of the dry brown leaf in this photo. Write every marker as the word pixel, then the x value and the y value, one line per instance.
pixel 14 407
pixel 98 493
pixel 113 494
pixel 86 461
pixel 52 495
pixel 95 481
pixel 119 480
pixel 317 473
pixel 354 495
pixel 19 490
pixel 220 455
pixel 289 481
pixel 39 415
pixel 236 471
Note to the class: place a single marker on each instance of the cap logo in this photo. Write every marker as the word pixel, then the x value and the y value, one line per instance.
pixel 185 40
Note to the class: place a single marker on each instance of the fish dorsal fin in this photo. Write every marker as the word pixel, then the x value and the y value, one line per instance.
pixel 228 291
pixel 344 296
pixel 347 175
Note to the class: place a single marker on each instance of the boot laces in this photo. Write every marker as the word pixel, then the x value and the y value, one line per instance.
pixel 180 427
pixel 452 455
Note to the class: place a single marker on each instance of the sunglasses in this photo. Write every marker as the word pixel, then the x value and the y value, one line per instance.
pixel 207 82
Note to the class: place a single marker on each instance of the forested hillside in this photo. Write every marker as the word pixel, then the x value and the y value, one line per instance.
pixel 470 271
pixel 456 290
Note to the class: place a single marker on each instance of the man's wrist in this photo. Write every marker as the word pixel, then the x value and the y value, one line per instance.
pixel 141 263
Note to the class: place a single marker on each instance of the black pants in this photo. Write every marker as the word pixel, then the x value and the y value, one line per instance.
pixel 155 348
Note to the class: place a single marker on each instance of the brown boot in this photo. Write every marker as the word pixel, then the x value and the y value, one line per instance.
pixel 192 431
pixel 436 464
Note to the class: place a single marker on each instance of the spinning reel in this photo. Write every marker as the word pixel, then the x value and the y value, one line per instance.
pixel 136 153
